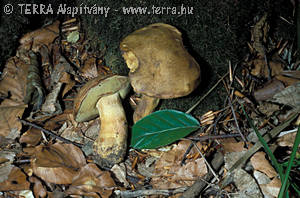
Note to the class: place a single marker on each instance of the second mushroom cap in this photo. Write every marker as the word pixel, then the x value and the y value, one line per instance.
pixel 159 64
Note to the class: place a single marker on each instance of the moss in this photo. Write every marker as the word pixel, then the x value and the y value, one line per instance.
pixel 216 32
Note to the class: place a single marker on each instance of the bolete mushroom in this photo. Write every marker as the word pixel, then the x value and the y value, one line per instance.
pixel 102 96
pixel 160 66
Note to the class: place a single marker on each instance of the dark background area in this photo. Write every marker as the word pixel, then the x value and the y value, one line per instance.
pixel 216 32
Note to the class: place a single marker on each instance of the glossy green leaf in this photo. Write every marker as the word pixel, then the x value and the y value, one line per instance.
pixel 162 128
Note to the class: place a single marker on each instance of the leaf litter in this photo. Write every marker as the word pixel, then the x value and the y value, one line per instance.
pixel 33 162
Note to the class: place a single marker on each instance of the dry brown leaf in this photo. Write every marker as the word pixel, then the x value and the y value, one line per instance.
pixel 9 112
pixel 170 174
pixel 259 35
pixel 38 188
pixel 89 69
pixel 233 147
pixel 289 96
pixel 91 181
pixel 119 170
pixel 69 83
pixel 271 189
pixel 268 108
pixel 6 160
pixel 45 35
pixel 14 78
pixel 287 140
pixel 16 181
pixel 261 69
pixel 287 80
pixel 260 163
pixel 58 163
pixel 51 105
pixel 68 131
pixel 31 137
pixel 269 90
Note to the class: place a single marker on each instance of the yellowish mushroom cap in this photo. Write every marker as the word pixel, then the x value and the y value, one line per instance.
pixel 85 102
pixel 159 64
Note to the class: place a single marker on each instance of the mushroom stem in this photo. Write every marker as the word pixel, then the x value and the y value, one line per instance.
pixel 145 107
pixel 111 143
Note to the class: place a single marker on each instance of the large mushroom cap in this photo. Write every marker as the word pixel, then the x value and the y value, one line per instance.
pixel 159 64
pixel 85 102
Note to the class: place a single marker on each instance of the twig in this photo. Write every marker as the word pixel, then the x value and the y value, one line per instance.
pixel 138 193
pixel 236 122
pixel 283 133
pixel 186 153
pixel 202 98
pixel 49 132
pixel 199 185
pixel 209 137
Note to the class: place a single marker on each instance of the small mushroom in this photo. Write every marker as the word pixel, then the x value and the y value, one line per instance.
pixel 160 66
pixel 102 96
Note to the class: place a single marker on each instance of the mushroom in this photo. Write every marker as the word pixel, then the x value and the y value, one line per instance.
pixel 102 96
pixel 160 66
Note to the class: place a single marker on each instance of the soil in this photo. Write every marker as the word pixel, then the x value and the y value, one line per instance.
pixel 214 32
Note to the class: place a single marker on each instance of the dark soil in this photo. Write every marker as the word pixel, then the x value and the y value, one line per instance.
pixel 214 33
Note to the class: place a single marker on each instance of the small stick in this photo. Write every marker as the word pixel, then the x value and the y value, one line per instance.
pixel 138 193
pixel 209 166
pixel 199 101
pixel 186 153
pixel 49 132
pixel 209 137
pixel 69 21
pixel 236 122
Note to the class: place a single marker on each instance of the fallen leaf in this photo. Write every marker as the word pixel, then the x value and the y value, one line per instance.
pixel 233 147
pixel 261 69
pixel 287 80
pixel 73 37
pixel 67 131
pixel 170 174
pixel 268 108
pixel 271 189
pixel 260 163
pixel 14 78
pixel 31 137
pixel 119 171
pixel 45 35
pixel 58 163
pixel 89 69
pixel 51 105
pixel 38 188
pixel 246 185
pixel 269 90
pixel 6 160
pixel 287 140
pixel 259 35
pixel 10 111
pixel 261 178
pixel 68 81
pixel 91 181
pixel 16 181
pixel 289 96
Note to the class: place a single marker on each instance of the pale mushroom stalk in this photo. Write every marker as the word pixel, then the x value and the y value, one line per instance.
pixel 102 97
pixel 146 106
pixel 111 143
